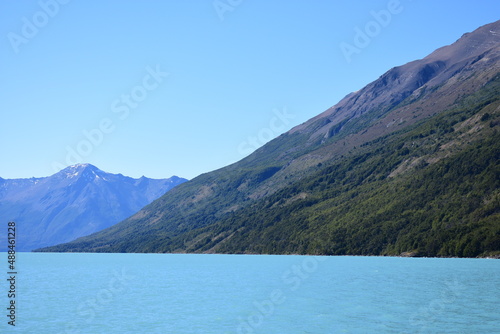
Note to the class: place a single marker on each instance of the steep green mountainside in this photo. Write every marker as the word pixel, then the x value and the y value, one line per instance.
pixel 431 191
pixel 406 164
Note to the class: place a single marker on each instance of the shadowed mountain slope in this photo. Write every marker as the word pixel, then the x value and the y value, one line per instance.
pixel 77 201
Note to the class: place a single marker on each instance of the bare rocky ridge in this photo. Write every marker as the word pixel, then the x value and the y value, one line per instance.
pixel 473 51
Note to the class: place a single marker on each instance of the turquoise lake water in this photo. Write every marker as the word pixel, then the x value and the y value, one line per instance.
pixel 160 293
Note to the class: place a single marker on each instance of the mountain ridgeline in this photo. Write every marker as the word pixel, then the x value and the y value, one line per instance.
pixel 77 201
pixel 407 165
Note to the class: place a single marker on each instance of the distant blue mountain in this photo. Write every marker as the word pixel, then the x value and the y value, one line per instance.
pixel 77 201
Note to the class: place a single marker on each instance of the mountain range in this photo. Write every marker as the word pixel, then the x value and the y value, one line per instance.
pixel 77 201
pixel 408 165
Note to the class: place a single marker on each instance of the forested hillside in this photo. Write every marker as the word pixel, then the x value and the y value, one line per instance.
pixel 407 165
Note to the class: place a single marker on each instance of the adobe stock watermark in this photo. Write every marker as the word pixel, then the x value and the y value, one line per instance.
pixel 364 36
pixel 32 26
pixel 91 307
pixel 223 6
pixel 277 125
pixel 426 316
pixel 121 107
pixel 292 279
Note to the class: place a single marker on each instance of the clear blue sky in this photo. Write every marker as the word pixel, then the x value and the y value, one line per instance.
pixel 100 67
